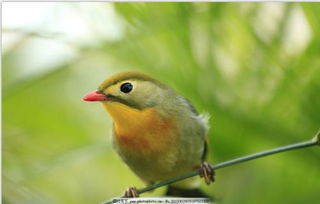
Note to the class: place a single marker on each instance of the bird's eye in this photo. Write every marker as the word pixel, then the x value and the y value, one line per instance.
pixel 126 87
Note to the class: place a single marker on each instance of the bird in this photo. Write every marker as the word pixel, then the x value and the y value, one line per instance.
pixel 157 132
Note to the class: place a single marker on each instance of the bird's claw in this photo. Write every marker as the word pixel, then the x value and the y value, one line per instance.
pixel 131 192
pixel 207 172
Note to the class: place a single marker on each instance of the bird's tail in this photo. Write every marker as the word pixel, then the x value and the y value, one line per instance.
pixel 174 191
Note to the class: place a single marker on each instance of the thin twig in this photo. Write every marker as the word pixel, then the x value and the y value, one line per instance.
pixel 309 143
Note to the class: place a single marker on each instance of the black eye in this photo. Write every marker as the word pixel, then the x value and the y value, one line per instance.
pixel 126 87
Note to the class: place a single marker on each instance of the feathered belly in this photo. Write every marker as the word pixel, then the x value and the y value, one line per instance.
pixel 153 146
pixel 160 158
pixel 151 156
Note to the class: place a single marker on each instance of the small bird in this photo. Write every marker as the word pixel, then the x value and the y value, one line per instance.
pixel 156 132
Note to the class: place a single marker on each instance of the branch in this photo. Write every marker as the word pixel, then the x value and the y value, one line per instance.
pixel 315 141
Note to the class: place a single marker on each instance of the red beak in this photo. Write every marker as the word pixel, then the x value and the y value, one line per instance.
pixel 94 96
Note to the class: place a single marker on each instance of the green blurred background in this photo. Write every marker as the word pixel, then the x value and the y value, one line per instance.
pixel 255 67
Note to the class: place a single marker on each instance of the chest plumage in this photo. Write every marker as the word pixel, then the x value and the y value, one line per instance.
pixel 153 145
pixel 141 131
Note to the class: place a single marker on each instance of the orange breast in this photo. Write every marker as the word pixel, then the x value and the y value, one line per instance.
pixel 141 130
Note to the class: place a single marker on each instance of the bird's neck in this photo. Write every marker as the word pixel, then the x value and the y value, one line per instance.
pixel 126 119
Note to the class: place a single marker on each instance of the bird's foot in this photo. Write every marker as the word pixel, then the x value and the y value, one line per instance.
pixel 207 172
pixel 131 192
